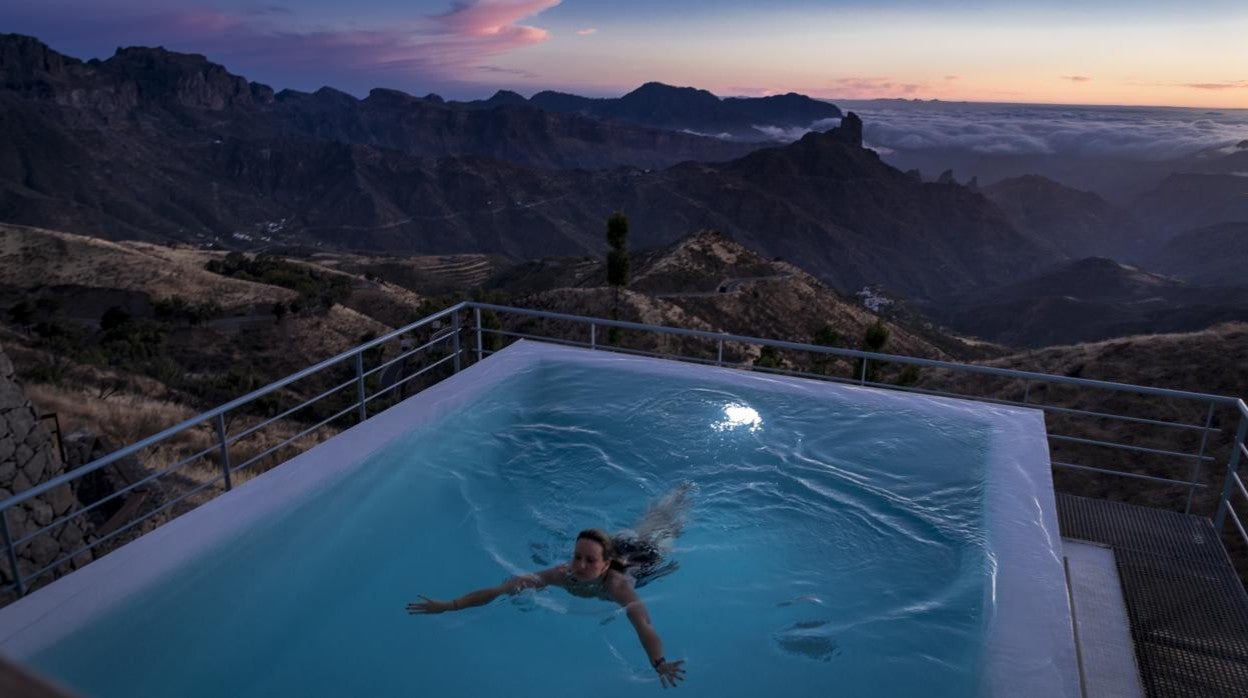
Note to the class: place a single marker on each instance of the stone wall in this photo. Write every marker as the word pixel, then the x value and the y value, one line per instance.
pixel 29 456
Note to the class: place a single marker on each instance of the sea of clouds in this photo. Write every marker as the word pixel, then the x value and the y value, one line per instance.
pixel 1136 133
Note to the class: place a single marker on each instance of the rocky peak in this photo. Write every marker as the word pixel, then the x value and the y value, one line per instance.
pixel 506 97
pixel 946 177
pixel 387 96
pixel 669 106
pixel 850 130
pixel 329 94
pixel 25 59
pixel 261 93
pixel 698 262
pixel 662 91
pixel 182 79
pixel 1242 145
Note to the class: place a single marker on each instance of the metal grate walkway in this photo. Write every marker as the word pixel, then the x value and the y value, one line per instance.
pixel 1187 607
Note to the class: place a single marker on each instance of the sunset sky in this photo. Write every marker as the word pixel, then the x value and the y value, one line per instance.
pixel 1089 52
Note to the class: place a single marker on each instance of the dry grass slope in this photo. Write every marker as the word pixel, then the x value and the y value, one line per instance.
pixel 33 257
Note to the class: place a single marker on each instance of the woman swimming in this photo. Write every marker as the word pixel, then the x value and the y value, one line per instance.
pixel 606 568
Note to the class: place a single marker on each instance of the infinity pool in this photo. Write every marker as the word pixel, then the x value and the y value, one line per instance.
pixel 837 540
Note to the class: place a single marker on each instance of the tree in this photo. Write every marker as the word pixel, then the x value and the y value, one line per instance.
pixel 617 265
pixel 768 357
pixel 617 257
pixel 114 317
pixel 873 340
pixel 909 375
pixel 825 337
pixel 23 313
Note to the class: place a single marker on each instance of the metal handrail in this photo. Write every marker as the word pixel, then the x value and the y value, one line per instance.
pixel 855 353
pixel 1232 474
pixel 218 411
pixel 1233 483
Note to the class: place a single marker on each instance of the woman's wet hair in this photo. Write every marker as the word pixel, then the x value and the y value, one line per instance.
pixel 608 547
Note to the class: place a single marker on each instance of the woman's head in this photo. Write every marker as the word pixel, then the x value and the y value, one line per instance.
pixel 593 555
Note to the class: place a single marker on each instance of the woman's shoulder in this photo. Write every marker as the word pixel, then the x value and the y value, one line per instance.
pixel 616 578
pixel 619 586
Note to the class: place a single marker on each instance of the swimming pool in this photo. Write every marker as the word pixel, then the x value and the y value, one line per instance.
pixel 837 539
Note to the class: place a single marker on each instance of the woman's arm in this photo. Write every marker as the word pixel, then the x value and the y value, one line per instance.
pixel 626 596
pixel 481 597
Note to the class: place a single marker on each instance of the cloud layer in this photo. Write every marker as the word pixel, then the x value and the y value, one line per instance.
pixel 1132 133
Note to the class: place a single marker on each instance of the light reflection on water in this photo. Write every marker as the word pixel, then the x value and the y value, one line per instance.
pixel 736 416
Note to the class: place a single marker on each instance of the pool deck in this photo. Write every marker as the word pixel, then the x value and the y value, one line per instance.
pixel 1187 608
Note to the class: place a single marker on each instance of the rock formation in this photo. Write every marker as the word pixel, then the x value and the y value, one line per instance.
pixel 87 510
pixel 28 456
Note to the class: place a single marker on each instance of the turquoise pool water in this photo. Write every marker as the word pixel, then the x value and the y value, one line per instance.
pixel 830 547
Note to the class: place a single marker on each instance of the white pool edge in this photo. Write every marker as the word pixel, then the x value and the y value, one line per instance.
pixel 1030 613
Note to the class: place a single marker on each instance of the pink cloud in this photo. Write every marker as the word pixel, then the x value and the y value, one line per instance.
pixel 953 77
pixel 1235 85
pixel 1077 78
pixel 444 47
pixel 858 87
pixel 587 31
pixel 495 18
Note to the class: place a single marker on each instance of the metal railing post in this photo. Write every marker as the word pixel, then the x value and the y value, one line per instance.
pixel 359 384
pixel 455 338
pixel 477 318
pixel 8 543
pixel 719 354
pixel 225 451
pixel 862 377
pixel 593 335
pixel 1026 391
pixel 1231 469
pixel 1204 439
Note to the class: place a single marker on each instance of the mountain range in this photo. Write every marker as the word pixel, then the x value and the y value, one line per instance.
pixel 156 145
pixel 686 109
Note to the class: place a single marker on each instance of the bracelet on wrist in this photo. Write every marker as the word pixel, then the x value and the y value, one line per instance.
pixel 658 662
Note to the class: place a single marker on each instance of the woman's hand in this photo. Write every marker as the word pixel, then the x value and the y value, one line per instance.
pixel 430 606
pixel 670 673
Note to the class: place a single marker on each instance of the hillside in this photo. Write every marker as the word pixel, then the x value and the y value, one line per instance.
pixel 1216 255
pixel 33 258
pixel 707 280
pixel 1077 223
pixel 1185 200
pixel 1088 300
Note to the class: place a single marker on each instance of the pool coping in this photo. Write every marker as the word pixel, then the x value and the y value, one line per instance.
pixel 1029 644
